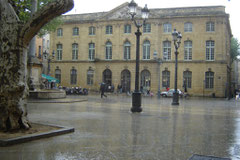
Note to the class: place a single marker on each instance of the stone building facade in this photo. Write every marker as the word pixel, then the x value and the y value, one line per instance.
pixel 101 47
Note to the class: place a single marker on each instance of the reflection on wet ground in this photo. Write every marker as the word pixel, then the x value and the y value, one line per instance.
pixel 105 129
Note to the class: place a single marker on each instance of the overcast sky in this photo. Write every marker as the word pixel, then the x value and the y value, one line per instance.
pixel 232 7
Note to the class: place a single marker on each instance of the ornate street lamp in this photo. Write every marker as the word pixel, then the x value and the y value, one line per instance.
pixel 136 96
pixel 49 59
pixel 177 36
pixel 159 61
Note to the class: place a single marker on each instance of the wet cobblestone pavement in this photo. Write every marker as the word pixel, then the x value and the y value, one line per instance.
pixel 105 129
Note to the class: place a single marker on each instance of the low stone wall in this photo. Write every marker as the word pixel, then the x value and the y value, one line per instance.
pixel 47 94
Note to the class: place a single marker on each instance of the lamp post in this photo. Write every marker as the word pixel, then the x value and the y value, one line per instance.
pixel 177 41
pixel 136 96
pixel 159 61
pixel 49 59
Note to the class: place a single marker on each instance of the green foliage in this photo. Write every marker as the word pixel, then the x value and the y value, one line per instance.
pixel 234 51
pixel 51 26
pixel 23 10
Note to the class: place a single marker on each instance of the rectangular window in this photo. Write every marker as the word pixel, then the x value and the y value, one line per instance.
pixel 209 80
pixel 167 28
pixel 167 50
pixel 108 51
pixel 210 27
pixel 210 50
pixel 188 50
pixel 187 79
pixel 59 32
pixel 91 30
pixel 127 28
pixel 59 52
pixel 147 28
pixel 58 74
pixel 146 50
pixel 109 29
pixel 74 51
pixel 127 50
pixel 91 51
pixel 75 31
pixel 188 27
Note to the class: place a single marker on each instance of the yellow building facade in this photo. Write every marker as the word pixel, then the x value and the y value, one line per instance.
pixel 101 47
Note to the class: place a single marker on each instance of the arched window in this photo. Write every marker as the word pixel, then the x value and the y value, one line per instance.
pixel 127 50
pixel 91 51
pixel 146 50
pixel 74 51
pixel 73 76
pixel 209 79
pixel 166 78
pixel 107 76
pixel 145 79
pixel 126 80
pixel 90 74
pixel 187 79
pixel 58 74
pixel 188 50
pixel 108 50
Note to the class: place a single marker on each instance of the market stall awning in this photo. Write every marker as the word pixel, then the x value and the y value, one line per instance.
pixel 50 79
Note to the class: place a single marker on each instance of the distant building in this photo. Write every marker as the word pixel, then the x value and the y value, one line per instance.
pixel 46 53
pixel 101 47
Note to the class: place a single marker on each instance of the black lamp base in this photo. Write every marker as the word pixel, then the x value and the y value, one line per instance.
pixel 136 102
pixel 175 98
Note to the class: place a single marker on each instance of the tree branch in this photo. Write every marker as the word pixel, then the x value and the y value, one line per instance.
pixel 43 16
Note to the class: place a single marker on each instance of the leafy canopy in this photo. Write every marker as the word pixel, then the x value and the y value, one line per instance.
pixel 234 51
pixel 23 10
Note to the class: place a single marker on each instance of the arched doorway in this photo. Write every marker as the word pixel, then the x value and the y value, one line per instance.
pixel 107 77
pixel 145 80
pixel 126 80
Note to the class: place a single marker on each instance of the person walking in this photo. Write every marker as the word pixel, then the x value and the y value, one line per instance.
pixel 185 88
pixel 102 89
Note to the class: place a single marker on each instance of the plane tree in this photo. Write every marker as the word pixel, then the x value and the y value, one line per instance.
pixel 15 35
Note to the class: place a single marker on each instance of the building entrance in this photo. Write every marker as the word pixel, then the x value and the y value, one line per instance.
pixel 126 80
pixel 107 79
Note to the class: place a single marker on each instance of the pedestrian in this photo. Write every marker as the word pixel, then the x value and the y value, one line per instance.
pixel 167 88
pixel 102 89
pixel 112 90
pixel 185 88
pixel 120 88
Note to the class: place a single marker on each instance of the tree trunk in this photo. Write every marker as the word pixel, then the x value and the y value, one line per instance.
pixel 14 39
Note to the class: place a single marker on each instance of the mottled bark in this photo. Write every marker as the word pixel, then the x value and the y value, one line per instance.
pixel 14 38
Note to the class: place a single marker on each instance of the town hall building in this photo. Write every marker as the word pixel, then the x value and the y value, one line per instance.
pixel 101 47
